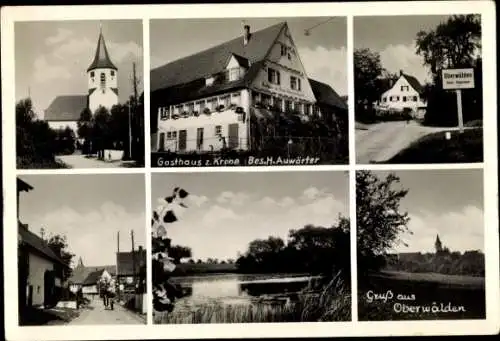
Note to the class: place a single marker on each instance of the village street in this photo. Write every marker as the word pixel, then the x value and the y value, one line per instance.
pixel 96 314
pixel 381 141
pixel 80 161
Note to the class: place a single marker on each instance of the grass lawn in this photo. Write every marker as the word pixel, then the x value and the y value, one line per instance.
pixel 463 293
pixel 434 148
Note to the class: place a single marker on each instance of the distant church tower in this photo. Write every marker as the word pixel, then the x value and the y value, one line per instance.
pixel 102 77
pixel 438 245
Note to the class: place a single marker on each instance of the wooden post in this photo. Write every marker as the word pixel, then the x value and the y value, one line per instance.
pixel 133 257
pixel 459 110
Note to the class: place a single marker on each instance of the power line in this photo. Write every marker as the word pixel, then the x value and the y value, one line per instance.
pixel 307 31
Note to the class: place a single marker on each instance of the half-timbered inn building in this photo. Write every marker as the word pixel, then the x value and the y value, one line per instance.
pixel 102 85
pixel 205 102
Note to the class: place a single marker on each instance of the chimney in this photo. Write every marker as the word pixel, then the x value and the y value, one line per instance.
pixel 140 248
pixel 246 34
pixel 400 72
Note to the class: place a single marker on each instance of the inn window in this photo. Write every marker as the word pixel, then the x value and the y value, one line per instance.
pixel 283 50
pixel 288 105
pixel 103 80
pixel 164 113
pixel 200 105
pixel 236 98
pixel 414 98
pixel 225 101
pixel 218 130
pixel 295 83
pixel 177 109
pixel 273 76
pixel 190 107
pixel 266 99
pixel 404 98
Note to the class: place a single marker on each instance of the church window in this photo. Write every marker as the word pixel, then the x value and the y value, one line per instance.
pixel 112 73
pixel 92 74
pixel 103 80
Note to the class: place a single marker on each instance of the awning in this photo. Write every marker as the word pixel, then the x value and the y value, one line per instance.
pixel 262 113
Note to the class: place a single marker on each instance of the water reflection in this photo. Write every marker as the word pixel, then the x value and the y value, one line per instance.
pixel 238 289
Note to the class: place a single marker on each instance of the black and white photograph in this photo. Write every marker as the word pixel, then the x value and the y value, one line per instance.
pixel 418 89
pixel 81 250
pixel 78 91
pixel 225 252
pixel 420 248
pixel 248 92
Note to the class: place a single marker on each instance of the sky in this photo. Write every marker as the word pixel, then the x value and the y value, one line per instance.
pixel 394 38
pixel 226 211
pixel 323 52
pixel 52 57
pixel 444 202
pixel 89 210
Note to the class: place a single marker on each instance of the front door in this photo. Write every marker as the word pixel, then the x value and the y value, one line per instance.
pixel 182 140
pixel 161 143
pixel 233 135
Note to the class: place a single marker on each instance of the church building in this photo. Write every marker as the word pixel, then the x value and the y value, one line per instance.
pixel 102 85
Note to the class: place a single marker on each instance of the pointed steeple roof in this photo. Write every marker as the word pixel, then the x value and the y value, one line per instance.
pixel 101 59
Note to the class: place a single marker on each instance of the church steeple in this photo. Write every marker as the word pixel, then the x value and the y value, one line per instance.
pixel 101 58
pixel 438 245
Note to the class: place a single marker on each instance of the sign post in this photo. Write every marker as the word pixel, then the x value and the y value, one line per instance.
pixel 458 79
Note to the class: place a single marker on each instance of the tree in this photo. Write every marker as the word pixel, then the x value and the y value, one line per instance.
pixel 379 219
pixel 59 245
pixel 119 126
pixel 101 130
pixel 259 247
pixel 367 69
pixel 452 44
pixel 178 252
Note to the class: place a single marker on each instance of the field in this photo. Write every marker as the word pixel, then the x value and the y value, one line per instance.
pixel 434 148
pixel 421 296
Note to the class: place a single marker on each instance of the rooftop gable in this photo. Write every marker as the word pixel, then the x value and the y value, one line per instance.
pixel 66 108
pixel 325 94
pixel 37 243
pixel 414 83
pixel 214 59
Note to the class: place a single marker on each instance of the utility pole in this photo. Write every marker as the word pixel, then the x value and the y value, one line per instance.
pixel 131 108
pixel 133 256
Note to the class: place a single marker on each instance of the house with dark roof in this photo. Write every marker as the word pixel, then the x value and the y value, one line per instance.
pixel 87 277
pixel 131 267
pixel 40 269
pixel 205 101
pixel 403 93
pixel 102 84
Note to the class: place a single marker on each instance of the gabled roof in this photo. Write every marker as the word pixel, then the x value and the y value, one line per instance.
pixel 81 273
pixel 214 59
pixel 38 244
pixel 93 277
pixel 66 108
pixel 326 95
pixel 415 84
pixel 23 186
pixel 101 58
pixel 125 262
pixel 242 61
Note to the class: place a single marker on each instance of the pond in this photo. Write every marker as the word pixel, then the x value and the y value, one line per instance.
pixel 239 289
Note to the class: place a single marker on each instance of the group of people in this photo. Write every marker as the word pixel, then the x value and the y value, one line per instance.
pixel 108 292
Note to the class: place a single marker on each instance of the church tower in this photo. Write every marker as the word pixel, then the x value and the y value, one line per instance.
pixel 438 245
pixel 102 77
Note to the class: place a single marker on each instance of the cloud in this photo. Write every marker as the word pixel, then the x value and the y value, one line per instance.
pixel 311 193
pixel 459 230
pixel 197 200
pixel 46 72
pixel 222 231
pixel 92 234
pixel 403 57
pixel 238 198
pixel 326 65
pixel 61 35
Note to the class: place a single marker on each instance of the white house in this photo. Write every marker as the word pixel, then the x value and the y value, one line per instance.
pixel 404 93
pixel 40 270
pixel 102 85
pixel 204 101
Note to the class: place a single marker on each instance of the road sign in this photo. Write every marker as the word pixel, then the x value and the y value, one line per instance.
pixel 454 79
pixel 458 79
